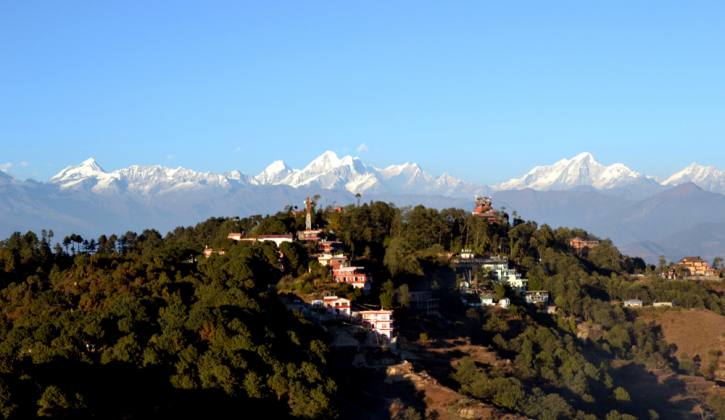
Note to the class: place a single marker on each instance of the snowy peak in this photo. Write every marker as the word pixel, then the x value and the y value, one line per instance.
pixel 327 171
pixel 273 174
pixel 581 170
pixel 323 163
pixel 89 175
pixel 330 171
pixel 92 165
pixel 74 176
pixel 706 177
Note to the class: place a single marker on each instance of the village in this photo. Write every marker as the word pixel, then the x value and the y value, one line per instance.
pixel 481 281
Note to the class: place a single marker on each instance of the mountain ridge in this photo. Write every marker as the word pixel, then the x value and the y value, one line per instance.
pixel 576 192
pixel 329 171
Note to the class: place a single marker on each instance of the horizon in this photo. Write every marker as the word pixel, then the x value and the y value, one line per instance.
pixel 106 169
pixel 483 92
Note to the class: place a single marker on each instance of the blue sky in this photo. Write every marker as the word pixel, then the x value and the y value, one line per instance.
pixel 483 90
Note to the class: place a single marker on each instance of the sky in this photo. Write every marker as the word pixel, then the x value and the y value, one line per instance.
pixel 481 90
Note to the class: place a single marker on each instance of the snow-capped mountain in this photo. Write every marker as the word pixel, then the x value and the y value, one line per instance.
pixel 326 172
pixel 579 171
pixel 612 201
pixel 708 178
pixel 89 175
pixel 331 172
pixel 273 174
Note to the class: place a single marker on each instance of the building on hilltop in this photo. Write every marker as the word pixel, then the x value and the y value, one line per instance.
pixel 579 244
pixel 277 239
pixel 467 263
pixel 697 267
pixel 309 234
pixel 484 209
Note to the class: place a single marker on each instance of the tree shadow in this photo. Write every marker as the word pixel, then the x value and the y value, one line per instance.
pixel 123 391
pixel 668 398
pixel 366 393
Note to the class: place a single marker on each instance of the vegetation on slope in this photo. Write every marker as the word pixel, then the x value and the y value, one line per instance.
pixel 124 326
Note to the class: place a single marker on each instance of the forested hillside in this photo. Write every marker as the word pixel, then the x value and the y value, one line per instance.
pixel 140 325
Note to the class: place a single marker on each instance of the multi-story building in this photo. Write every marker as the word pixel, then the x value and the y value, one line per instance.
pixel 356 276
pixel 380 321
pixel 484 209
pixel 697 267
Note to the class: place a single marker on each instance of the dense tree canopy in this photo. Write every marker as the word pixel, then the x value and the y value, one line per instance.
pixel 124 325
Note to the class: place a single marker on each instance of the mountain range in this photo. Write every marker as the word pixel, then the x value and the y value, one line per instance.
pixel 683 214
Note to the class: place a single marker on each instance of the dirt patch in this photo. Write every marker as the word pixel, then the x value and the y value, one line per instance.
pixel 698 333
pixel 442 402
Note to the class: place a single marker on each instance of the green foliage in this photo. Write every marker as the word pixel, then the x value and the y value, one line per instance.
pixel 621 394
pixel 143 308
pixel 386 295
pixel 147 303
pixel 504 392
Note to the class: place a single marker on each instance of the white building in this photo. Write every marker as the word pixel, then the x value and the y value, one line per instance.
pixel 277 239
pixel 487 300
pixel 499 267
pixel 337 305
pixel 504 303
pixel 381 321
pixel 536 297
pixel 633 303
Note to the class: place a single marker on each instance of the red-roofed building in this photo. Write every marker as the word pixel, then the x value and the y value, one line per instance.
pixel 332 261
pixel 484 209
pixel 355 276
pixel 311 235
pixel 330 247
